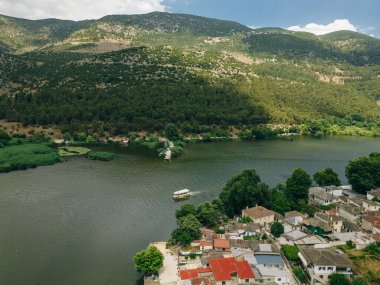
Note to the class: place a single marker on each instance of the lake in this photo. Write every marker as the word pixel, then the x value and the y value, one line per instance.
pixel 82 221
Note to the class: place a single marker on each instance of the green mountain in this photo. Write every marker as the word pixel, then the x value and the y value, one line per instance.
pixel 139 72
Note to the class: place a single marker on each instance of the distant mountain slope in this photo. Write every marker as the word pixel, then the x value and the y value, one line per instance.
pixel 141 71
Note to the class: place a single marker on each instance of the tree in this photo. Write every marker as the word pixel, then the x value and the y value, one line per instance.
pixel 277 229
pixel 243 190
pixel 245 219
pixel 278 202
pixel 362 173
pixel 188 230
pixel 149 261
pixel 297 187
pixel 171 132
pixel 338 279
pixel 327 177
pixel 207 215
pixel 67 137
pixel 4 137
pixel 291 252
pixel 185 210
pixel 359 281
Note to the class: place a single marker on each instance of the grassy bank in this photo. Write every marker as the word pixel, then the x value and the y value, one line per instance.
pixel 65 151
pixel 101 155
pixel 23 156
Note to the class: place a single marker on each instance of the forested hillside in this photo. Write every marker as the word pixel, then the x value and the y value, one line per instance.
pixel 130 73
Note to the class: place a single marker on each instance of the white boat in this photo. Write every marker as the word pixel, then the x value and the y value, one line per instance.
pixel 181 194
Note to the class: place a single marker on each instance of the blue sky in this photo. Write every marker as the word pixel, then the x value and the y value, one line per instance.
pixel 363 14
pixel 327 15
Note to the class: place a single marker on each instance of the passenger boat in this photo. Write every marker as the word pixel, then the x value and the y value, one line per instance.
pixel 181 194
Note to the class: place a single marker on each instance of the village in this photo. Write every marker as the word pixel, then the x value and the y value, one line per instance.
pixel 264 247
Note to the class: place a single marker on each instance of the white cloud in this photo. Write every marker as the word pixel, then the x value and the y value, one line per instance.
pixel 77 9
pixel 337 25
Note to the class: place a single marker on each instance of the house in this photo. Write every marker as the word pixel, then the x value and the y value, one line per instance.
pixel 252 229
pixel 259 215
pixel 321 263
pixel 371 224
pixel 348 226
pixel 188 275
pixel 205 245
pixel 267 260
pixel 370 206
pixel 375 193
pixel 318 226
pixel 222 244
pixel 324 195
pixel 335 222
pixel 228 271
pixel 359 239
pixel 292 236
pixel 239 253
pixel 207 234
pixel 312 240
pixel 271 274
pixel 350 212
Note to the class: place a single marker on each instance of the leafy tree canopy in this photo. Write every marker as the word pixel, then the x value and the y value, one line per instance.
pixel 171 132
pixel 297 187
pixel 149 261
pixel 363 173
pixel 188 230
pixel 327 177
pixel 185 210
pixel 243 190
pixel 277 229
pixel 338 279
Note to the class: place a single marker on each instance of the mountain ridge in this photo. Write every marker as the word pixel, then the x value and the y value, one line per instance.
pixel 133 72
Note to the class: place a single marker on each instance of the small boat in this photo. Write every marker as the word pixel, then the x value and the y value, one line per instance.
pixel 181 194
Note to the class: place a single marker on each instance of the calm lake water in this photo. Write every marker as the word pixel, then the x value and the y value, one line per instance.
pixel 80 222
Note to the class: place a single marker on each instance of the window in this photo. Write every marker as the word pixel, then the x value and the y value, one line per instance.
pixel 319 268
pixel 247 280
pixel 279 279
pixel 223 282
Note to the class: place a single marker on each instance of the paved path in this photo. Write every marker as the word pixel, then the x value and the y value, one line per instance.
pixel 168 273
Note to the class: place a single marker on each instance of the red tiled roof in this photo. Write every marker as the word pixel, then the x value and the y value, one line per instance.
pixel 221 243
pixel 188 274
pixel 244 270
pixel 207 232
pixel 374 220
pixel 222 268
pixel 192 273
pixel 205 243
pixel 376 237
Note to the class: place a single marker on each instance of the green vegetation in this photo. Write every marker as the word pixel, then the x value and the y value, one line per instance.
pixel 300 274
pixel 149 261
pixel 25 156
pixel 297 188
pixel 101 155
pixel 142 72
pixel 338 279
pixel 65 151
pixel 327 177
pixel 188 230
pixel 243 190
pixel 363 173
pixel 276 229
pixel 171 132
pixel 291 252
pixel 186 209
